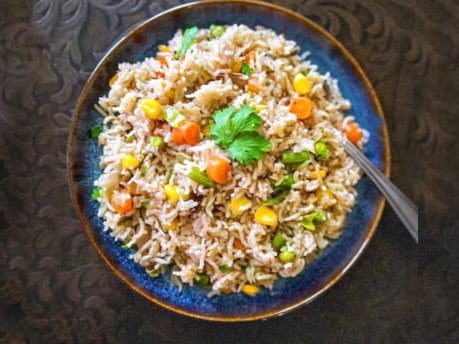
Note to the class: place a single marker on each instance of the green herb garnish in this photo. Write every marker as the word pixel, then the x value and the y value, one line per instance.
pixel 236 131
pixel 95 131
pixel 224 268
pixel 189 36
pixel 309 221
pixel 132 247
pixel 172 116
pixel 96 193
pixel 245 69
pixel 280 190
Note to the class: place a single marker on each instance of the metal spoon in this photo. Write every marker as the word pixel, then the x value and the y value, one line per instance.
pixel 406 210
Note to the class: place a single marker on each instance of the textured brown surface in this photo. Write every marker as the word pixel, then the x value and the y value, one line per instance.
pixel 55 289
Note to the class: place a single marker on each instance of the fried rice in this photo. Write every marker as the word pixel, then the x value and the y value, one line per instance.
pixel 199 235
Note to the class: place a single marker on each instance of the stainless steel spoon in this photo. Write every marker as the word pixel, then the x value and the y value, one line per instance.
pixel 406 210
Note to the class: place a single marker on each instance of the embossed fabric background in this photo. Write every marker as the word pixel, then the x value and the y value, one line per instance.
pixel 55 289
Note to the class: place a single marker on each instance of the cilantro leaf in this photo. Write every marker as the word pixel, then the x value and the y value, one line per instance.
pixel 189 36
pixel 236 131
pixel 249 147
pixel 245 69
pixel 220 131
pixel 245 120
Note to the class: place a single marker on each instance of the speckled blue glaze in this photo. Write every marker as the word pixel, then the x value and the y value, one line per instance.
pixel 84 154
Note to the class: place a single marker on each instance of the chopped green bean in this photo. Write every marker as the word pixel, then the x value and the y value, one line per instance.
pixel 296 159
pixel 200 177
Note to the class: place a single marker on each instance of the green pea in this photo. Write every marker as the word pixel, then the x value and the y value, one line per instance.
pixel 287 256
pixel 216 30
pixel 201 279
pixel 278 241
pixel 157 142
pixel 322 150
pixel 95 131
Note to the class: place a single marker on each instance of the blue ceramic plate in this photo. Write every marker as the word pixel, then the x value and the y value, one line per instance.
pixel 287 294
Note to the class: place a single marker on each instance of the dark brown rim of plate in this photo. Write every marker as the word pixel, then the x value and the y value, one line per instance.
pixel 319 290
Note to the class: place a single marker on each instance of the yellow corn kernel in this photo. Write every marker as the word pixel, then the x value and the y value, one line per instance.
pixel 301 84
pixel 323 194
pixel 226 291
pixel 239 205
pixel 260 107
pixel 171 193
pixel 164 48
pixel 113 80
pixel 266 216
pixel 151 108
pixel 250 289
pixel 171 227
pixel 318 174
pixel 185 195
pixel 129 161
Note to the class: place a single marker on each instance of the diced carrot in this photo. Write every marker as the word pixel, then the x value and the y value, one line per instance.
pixel 160 75
pixel 238 244
pixel 187 132
pixel 121 201
pixel 250 56
pixel 218 169
pixel 353 132
pixel 177 136
pixel 302 107
pixel 253 85
pixel 191 133
pixel 163 62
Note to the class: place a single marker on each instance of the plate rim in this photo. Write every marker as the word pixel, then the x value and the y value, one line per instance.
pixel 76 114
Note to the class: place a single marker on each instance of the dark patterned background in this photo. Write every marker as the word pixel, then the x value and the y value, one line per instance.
pixel 55 289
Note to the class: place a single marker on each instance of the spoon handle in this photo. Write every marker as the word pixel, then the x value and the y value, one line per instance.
pixel 403 207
